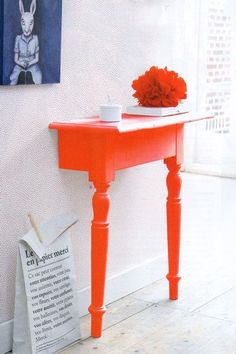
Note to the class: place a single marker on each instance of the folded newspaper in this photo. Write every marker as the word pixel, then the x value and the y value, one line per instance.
pixel 46 306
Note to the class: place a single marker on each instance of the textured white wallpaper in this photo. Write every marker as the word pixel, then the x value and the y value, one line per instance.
pixel 105 45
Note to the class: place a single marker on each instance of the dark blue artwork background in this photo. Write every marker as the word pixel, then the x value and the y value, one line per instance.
pixel 48 28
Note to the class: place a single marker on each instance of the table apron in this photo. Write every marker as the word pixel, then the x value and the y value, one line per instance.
pixel 102 153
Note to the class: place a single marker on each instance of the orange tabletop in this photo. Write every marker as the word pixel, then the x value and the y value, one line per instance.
pixel 102 148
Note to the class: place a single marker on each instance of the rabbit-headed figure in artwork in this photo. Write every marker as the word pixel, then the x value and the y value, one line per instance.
pixel 26 51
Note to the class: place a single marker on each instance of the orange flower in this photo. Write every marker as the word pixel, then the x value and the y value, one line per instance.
pixel 159 88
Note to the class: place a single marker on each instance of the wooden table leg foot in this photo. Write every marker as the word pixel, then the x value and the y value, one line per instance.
pixel 173 286
pixel 173 209
pixel 96 320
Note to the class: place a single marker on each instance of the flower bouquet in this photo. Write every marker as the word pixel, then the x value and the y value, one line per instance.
pixel 159 92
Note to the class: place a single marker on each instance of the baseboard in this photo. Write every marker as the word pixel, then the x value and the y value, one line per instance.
pixel 128 281
pixel 117 287
pixel 6 331
pixel 225 171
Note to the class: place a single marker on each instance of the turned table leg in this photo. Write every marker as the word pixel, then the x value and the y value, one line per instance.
pixel 99 248
pixel 173 209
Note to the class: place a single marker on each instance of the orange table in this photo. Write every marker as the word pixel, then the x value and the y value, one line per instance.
pixel 101 149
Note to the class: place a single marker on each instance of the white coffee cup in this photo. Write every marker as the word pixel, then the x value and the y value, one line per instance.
pixel 110 112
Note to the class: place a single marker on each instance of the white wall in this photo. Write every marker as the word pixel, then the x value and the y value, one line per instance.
pixel 105 45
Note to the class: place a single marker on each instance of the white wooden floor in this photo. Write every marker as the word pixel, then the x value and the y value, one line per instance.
pixel 203 320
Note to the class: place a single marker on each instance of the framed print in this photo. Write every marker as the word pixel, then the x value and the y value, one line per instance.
pixel 30 41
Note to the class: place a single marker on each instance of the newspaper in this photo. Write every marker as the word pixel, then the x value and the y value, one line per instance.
pixel 46 307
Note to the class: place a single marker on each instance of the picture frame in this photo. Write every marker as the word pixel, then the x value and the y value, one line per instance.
pixel 30 41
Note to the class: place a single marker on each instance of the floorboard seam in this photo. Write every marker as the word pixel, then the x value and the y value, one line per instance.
pixel 131 297
pixel 124 319
pixel 214 298
pixel 214 317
